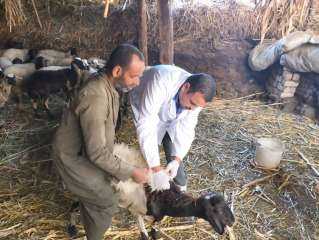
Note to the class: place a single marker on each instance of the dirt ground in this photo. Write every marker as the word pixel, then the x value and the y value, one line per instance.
pixel 284 206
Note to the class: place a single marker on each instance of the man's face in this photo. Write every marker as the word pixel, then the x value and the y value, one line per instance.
pixel 129 78
pixel 190 101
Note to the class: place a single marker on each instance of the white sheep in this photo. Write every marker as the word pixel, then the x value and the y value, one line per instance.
pixel 50 53
pixel 21 71
pixel 23 54
pixel 58 58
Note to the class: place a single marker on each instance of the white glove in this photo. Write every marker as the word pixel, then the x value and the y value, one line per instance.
pixel 160 181
pixel 172 168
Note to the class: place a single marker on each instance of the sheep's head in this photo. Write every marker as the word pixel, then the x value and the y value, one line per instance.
pixel 32 53
pixel 216 211
pixel 5 89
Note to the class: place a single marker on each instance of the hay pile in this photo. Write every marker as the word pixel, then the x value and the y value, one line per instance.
pixel 279 18
pixel 279 205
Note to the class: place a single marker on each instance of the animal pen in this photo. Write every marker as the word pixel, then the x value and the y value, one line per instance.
pixel 214 37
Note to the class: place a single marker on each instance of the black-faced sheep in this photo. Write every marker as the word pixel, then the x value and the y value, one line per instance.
pixel 57 54
pixel 24 54
pixel 141 201
pixel 23 70
pixel 58 58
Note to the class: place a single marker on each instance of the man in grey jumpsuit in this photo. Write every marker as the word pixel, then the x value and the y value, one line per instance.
pixel 83 144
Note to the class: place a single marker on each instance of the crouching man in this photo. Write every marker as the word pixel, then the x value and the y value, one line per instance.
pixel 83 144
pixel 166 106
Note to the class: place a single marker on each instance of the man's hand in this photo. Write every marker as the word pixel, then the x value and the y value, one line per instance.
pixel 141 175
pixel 160 181
pixel 172 168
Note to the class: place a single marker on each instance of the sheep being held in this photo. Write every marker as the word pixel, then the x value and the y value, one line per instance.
pixel 141 201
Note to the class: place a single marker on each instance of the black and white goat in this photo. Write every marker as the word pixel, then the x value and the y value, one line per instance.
pixel 41 84
pixel 141 201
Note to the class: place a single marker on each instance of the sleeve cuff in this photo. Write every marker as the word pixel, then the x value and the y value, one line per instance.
pixel 125 171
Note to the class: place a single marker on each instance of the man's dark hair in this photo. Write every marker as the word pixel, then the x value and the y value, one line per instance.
pixel 203 83
pixel 122 56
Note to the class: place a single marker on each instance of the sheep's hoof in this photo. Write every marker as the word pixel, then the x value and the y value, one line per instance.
pixel 155 234
pixel 143 236
pixel 72 230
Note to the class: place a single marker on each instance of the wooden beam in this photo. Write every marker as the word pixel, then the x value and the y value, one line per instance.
pixel 142 29
pixel 166 31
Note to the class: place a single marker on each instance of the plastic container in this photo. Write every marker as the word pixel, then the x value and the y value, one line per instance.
pixel 268 153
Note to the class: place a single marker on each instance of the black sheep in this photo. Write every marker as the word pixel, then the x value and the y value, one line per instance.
pixel 41 84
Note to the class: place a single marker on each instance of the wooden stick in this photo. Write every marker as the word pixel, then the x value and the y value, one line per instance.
pixel 259 180
pixel 166 32
pixel 4 233
pixel 308 162
pixel 142 29
pixel 135 230
pixel 106 9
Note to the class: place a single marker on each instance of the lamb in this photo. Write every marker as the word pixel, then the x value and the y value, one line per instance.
pixel 23 54
pixel 42 83
pixel 5 62
pixel 50 53
pixel 22 71
pixel 58 58
pixel 141 201
pixel 15 74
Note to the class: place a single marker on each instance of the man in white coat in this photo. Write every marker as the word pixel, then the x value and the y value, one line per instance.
pixel 166 106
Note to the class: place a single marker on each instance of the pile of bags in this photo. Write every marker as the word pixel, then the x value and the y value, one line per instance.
pixel 294 54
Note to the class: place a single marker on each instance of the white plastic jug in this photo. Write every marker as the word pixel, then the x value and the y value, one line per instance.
pixel 269 153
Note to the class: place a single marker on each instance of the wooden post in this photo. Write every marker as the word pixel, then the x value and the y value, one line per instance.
pixel 166 31
pixel 142 29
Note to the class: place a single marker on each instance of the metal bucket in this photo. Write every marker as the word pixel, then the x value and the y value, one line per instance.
pixel 269 153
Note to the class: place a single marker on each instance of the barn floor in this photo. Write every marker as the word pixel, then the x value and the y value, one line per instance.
pixel 285 205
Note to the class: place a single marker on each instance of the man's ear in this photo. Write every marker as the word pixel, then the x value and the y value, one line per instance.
pixel 186 87
pixel 117 71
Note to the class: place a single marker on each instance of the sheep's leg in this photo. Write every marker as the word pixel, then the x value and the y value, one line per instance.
pixel 141 226
pixel 155 234
pixel 46 107
pixel 35 107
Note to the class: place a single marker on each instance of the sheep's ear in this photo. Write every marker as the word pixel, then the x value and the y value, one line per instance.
pixel 32 53
pixel 40 62
pixel 73 51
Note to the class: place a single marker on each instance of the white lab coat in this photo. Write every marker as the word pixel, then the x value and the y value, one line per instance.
pixel 154 111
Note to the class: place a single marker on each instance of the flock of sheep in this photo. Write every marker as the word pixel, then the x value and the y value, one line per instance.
pixel 39 73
